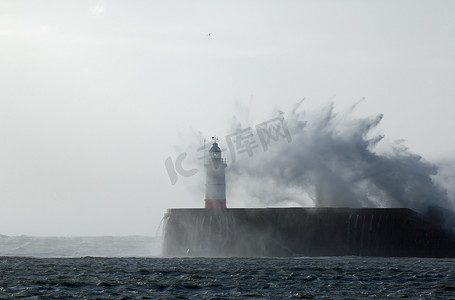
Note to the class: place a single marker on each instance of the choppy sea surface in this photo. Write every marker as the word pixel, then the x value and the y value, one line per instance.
pixel 226 278
pixel 101 246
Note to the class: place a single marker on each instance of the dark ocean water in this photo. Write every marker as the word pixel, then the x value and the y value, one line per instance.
pixel 226 278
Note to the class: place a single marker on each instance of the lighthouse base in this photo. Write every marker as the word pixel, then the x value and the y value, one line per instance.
pixel 215 203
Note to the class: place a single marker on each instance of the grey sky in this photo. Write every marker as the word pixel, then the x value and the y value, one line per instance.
pixel 95 95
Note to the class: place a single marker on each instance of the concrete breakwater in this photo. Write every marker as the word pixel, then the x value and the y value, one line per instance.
pixel 284 232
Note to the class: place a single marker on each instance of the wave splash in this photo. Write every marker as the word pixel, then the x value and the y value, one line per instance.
pixel 334 161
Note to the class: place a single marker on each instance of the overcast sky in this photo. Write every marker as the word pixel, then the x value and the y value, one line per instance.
pixel 96 95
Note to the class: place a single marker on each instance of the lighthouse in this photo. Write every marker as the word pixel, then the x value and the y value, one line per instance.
pixel 215 187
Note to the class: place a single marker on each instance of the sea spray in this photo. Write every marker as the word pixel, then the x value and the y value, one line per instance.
pixel 332 162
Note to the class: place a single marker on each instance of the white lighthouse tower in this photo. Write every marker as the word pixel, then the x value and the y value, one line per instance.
pixel 215 187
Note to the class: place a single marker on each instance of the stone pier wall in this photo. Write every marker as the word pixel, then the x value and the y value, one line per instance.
pixel 279 232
